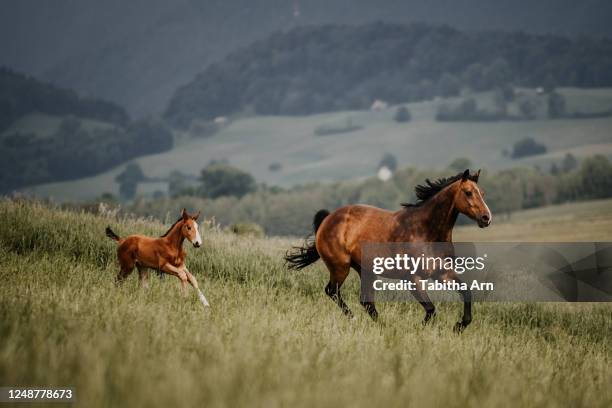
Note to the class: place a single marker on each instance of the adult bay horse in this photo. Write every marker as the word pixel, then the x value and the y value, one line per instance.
pixel 338 236
pixel 165 253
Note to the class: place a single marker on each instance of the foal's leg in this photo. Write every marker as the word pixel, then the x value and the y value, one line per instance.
pixel 127 266
pixel 370 307
pixel 337 275
pixel 143 276
pixel 179 273
pixel 194 283
pixel 423 298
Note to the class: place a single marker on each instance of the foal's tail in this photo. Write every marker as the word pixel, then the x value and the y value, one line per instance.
pixel 111 234
pixel 300 257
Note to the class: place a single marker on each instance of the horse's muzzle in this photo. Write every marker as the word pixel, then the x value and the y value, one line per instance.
pixel 196 244
pixel 484 221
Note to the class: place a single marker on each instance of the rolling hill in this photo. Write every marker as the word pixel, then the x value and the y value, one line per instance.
pixel 49 133
pixel 254 143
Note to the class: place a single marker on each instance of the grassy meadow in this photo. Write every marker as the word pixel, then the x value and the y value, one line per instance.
pixel 271 338
pixel 305 157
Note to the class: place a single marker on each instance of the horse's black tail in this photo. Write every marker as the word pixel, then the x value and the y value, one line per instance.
pixel 300 257
pixel 111 234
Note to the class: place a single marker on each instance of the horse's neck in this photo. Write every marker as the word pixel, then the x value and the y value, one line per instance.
pixel 437 216
pixel 441 215
pixel 174 237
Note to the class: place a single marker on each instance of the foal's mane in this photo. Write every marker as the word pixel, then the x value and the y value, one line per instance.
pixel 173 225
pixel 425 191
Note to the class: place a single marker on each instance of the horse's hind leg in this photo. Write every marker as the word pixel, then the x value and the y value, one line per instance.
pixel 423 298
pixel 143 276
pixel 127 262
pixel 124 273
pixel 370 307
pixel 337 275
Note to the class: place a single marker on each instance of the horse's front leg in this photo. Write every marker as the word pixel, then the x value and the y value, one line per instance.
pixel 467 303
pixel 179 273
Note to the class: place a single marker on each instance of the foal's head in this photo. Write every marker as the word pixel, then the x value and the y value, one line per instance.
pixel 469 199
pixel 189 228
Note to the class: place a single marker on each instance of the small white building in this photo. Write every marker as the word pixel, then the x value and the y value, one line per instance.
pixel 379 105
pixel 384 173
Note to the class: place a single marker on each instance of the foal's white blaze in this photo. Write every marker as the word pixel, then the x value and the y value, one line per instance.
pixel 198 238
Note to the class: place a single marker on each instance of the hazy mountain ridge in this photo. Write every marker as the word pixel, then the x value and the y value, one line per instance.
pixel 137 53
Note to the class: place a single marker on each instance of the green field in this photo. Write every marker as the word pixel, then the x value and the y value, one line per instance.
pixel 253 143
pixel 583 221
pixel 271 337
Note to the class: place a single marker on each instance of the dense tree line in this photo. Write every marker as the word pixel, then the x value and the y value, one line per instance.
pixel 290 212
pixel 21 94
pixel 75 150
pixel 323 68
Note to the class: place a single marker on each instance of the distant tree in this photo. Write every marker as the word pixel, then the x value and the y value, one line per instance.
pixel 224 180
pixel 569 163
pixel 468 107
pixel 549 84
pixel 473 77
pixel 501 104
pixel 402 114
pixel 528 108
pixel 460 164
pixel 556 105
pixel 596 177
pixel 448 85
pixel 178 184
pixel 128 180
pixel 527 147
pixel 389 161
pixel 275 166
pixel 498 74
pixel 554 169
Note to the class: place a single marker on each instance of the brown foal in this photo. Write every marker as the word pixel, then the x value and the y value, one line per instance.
pixel 338 236
pixel 165 253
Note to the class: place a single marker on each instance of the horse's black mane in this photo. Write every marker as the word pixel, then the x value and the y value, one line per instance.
pixel 170 229
pixel 425 191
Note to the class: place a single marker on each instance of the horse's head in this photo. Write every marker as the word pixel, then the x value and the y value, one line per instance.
pixel 190 230
pixel 469 200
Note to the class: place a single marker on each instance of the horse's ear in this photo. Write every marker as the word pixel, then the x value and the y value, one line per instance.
pixel 195 217
pixel 476 176
pixel 466 175
pixel 184 214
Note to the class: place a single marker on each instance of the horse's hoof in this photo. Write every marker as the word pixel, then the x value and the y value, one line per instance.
pixel 428 318
pixel 459 327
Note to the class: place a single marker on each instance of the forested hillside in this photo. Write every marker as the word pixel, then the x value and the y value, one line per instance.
pixel 334 67
pixel 138 52
pixel 21 94
pixel 52 134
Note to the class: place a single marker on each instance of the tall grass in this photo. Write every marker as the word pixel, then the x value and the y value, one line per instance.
pixel 271 337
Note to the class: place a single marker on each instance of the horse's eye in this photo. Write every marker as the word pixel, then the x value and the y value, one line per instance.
pixel 189 228
pixel 468 193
